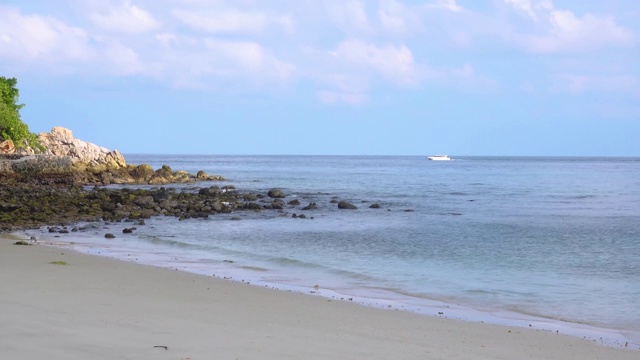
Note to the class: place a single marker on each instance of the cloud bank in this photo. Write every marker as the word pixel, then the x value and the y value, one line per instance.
pixel 344 49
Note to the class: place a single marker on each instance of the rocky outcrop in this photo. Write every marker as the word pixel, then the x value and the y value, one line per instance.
pixel 71 161
pixel 60 142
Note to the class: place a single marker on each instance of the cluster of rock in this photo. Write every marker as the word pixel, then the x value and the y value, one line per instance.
pixel 69 161
pixel 45 189
pixel 24 206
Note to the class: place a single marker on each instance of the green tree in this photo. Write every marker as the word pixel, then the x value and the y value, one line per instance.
pixel 11 126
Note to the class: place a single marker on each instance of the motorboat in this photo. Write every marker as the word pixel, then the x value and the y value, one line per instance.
pixel 438 157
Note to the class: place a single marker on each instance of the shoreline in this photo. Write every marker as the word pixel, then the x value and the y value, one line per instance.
pixel 379 298
pixel 99 307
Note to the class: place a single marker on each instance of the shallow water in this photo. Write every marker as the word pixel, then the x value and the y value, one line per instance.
pixel 549 242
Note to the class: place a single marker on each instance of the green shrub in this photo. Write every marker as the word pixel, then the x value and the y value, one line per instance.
pixel 11 126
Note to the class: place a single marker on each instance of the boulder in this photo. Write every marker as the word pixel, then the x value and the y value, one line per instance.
pixel 60 142
pixel 201 175
pixel 7 147
pixel 276 194
pixel 311 206
pixel 346 205
pixel 142 173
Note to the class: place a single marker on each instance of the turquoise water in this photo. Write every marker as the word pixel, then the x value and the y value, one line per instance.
pixel 551 243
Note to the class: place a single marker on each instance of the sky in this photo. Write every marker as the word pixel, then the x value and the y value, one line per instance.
pixel 331 77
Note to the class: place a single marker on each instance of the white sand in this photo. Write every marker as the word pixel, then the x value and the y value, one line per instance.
pixel 99 308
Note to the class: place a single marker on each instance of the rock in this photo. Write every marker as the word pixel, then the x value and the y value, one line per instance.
pixel 146 202
pixel 21 242
pixel 375 206
pixel 128 230
pixel 60 142
pixel 346 205
pixel 142 173
pixel 201 175
pixel 294 202
pixel 249 197
pixel 277 205
pixel 7 147
pixel 217 206
pixel 276 194
pixel 311 206
pixel 109 236
pixel 252 206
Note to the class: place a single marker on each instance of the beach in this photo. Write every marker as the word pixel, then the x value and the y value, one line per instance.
pixel 59 304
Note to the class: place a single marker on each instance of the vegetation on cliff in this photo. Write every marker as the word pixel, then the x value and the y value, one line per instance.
pixel 11 125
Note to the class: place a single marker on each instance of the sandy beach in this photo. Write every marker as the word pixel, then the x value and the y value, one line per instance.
pixel 58 304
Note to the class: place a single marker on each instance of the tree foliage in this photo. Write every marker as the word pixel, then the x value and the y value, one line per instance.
pixel 11 126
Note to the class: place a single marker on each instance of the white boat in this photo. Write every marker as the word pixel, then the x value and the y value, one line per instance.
pixel 439 157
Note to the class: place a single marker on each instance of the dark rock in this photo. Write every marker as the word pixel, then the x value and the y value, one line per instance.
pixel 346 205
pixel 294 202
pixel 252 206
pixel 311 206
pixel 276 193
pixel 375 206
pixel 294 216
pixel 128 230
pixel 302 216
pixel 249 197
pixel 109 236
pixel 216 206
pixel 21 242
pixel 276 205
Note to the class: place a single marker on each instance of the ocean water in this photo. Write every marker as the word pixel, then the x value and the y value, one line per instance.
pixel 547 243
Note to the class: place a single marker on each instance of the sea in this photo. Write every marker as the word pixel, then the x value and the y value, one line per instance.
pixel 548 243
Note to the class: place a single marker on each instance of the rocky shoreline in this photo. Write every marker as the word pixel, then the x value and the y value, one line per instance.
pixel 66 186
pixel 55 188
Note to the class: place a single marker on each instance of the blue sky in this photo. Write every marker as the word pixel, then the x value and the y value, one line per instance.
pixel 333 77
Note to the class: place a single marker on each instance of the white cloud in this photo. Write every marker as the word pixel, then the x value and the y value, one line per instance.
pixel 397 17
pixel 221 22
pixel 350 16
pixel 450 5
pixel 577 84
pixel 40 38
pixel 530 8
pixel 569 32
pixel 563 30
pixel 125 60
pixel 196 62
pixel 250 56
pixel 336 98
pixel 126 18
pixel 395 63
